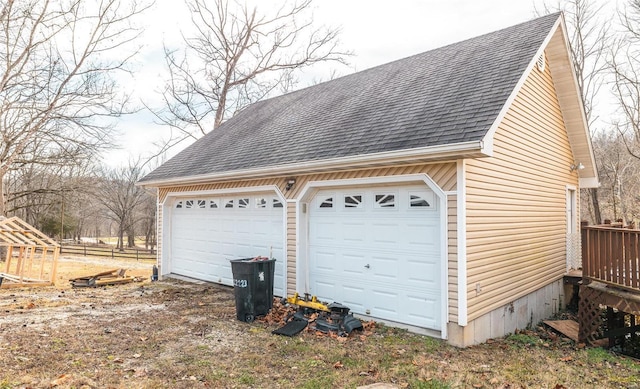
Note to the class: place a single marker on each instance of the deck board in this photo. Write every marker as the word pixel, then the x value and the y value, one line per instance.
pixel 568 328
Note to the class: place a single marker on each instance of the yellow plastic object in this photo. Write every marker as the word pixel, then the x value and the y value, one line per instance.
pixel 307 302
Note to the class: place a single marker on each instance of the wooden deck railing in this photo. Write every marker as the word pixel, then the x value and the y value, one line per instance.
pixel 610 254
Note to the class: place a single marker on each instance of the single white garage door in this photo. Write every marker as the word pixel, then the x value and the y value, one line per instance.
pixel 377 250
pixel 206 232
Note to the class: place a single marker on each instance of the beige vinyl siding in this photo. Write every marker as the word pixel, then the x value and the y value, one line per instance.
pixel 444 174
pixel 516 201
pixel 291 247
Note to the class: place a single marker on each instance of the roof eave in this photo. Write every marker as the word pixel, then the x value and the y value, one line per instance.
pixel 589 182
pixel 416 155
pixel 571 104
pixel 566 83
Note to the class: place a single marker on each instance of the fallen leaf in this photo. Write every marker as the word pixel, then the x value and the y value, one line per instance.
pixel 137 355
pixel 566 359
pixel 421 361
pixel 140 373
pixel 59 381
pixel 338 365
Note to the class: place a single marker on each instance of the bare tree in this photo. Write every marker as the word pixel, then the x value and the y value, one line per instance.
pixel 48 193
pixel 237 56
pixel 147 217
pixel 618 177
pixel 589 39
pixel 118 193
pixel 57 85
pixel 625 65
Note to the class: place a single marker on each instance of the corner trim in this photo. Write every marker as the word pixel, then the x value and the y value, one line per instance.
pixel 461 203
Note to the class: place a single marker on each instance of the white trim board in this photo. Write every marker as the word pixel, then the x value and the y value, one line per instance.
pixel 309 190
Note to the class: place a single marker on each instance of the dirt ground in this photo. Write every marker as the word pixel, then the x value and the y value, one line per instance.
pixel 174 334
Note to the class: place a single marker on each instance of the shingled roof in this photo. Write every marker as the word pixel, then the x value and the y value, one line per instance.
pixel 450 95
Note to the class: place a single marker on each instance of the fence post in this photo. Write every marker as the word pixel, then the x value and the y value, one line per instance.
pixel 85 250
pixel 111 253
pixel 137 259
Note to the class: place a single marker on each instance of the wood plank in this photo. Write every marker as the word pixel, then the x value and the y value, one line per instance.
pixel 568 328
pixel 104 273
pixel 114 281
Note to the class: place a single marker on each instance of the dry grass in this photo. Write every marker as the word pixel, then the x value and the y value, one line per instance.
pixel 179 335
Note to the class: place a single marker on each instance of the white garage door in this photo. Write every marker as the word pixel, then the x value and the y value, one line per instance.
pixel 377 250
pixel 208 231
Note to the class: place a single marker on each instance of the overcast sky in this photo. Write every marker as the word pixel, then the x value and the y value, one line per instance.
pixel 376 31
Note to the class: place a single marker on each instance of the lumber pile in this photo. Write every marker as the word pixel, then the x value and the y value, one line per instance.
pixel 110 277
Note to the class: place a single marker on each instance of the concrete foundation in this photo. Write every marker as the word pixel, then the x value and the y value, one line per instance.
pixel 519 314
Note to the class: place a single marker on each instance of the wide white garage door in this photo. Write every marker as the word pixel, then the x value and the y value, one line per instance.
pixel 206 232
pixel 377 250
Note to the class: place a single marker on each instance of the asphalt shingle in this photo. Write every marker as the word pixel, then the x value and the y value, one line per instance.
pixel 448 95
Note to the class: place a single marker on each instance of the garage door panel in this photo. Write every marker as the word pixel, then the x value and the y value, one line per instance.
pixel 325 232
pixel 227 224
pixel 429 304
pixel 324 261
pixel 385 269
pixel 203 239
pixel 261 227
pixel 352 262
pixel 421 236
pixel 381 258
pixel 353 296
pixel 354 233
pixel 385 303
pixel 325 289
pixel 382 234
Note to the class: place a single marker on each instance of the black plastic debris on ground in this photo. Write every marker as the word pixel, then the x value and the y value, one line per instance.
pixel 292 328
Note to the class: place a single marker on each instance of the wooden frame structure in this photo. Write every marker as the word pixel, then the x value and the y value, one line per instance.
pixel 32 257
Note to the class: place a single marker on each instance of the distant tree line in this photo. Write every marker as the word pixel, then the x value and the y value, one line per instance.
pixel 79 203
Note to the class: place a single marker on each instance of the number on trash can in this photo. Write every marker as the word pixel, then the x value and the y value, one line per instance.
pixel 240 283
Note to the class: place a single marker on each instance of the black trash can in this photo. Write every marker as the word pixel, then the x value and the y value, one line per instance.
pixel 253 287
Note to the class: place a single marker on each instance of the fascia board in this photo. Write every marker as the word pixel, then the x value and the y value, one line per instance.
pixel 589 182
pixel 457 150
